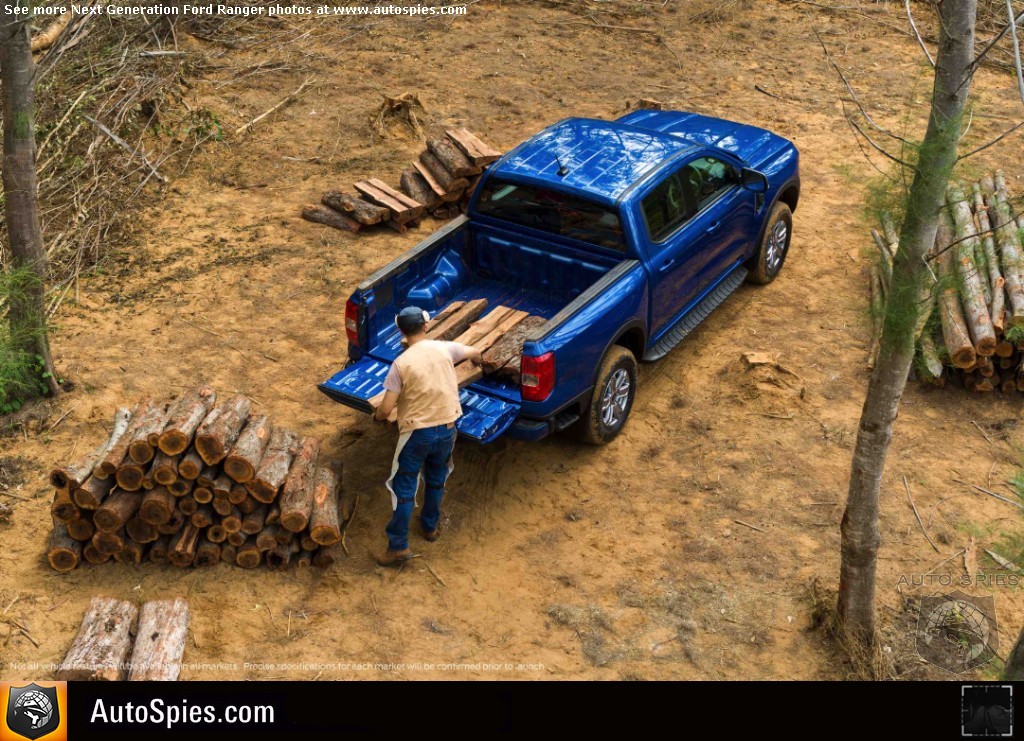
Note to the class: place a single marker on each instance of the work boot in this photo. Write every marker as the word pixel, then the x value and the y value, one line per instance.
pixel 392 558
pixel 431 535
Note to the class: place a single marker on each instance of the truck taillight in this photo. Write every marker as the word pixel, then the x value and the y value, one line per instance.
pixel 538 376
pixel 352 322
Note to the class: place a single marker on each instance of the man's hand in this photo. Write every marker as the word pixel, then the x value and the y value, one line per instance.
pixel 387 405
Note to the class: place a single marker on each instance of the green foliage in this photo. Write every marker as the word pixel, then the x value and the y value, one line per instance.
pixel 1014 335
pixel 204 124
pixel 23 374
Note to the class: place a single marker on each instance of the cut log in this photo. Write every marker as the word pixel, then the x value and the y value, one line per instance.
pixel 984 366
pixel 116 510
pixel 215 436
pixel 511 344
pixel 63 507
pixel 109 543
pixel 303 559
pixel 468 372
pixel 267 537
pixel 238 494
pixel 478 152
pixel 483 326
pixel 114 457
pixel 221 505
pixel 307 543
pixel 143 444
pixel 100 649
pixel 253 522
pixel 979 323
pixel 236 539
pixel 296 501
pixel 188 505
pixel 216 533
pixel 249 554
pixel 157 506
pixel 402 208
pixel 329 217
pixel 160 641
pixel 273 515
pixel 74 476
pixel 81 529
pixel 506 325
pixel 133 552
pixel 130 475
pixel 232 521
pixel 207 552
pixel 274 467
pixel 202 517
pixel 159 550
pixel 247 505
pixel 324 523
pixel 995 276
pixel 324 557
pixel 207 476
pixel 442 315
pixel 435 173
pixel 142 531
pixel 457 322
pixel 280 555
pixel 190 465
pixel 174 524
pixel 180 487
pixel 184 418
pixel 92 493
pixel 228 553
pixel 63 553
pixel 1005 349
pixel 1000 217
pixel 93 555
pixel 453 158
pixel 416 187
pixel 884 259
pixel 984 385
pixel 202 494
pixel 247 452
pixel 183 546
pixel 954 329
pixel 222 486
pixel 164 469
pixel 354 207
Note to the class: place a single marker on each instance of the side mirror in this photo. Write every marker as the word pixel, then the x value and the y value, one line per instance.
pixel 754 181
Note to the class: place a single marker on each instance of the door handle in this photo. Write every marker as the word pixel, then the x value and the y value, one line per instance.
pixel 713 228
pixel 667 264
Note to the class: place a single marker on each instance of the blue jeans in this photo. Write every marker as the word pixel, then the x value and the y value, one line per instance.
pixel 428 450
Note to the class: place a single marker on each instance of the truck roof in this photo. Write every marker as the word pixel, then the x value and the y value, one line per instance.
pixel 603 158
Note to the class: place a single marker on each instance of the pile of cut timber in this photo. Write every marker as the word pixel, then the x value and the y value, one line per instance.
pixel 499 336
pixel 440 182
pixel 196 481
pixel 971 330
pixel 104 650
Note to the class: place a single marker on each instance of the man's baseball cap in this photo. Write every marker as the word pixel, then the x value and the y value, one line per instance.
pixel 411 318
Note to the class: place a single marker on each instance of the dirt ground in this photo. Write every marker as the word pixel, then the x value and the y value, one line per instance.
pixel 684 549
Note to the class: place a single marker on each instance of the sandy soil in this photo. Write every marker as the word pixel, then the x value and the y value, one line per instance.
pixel 558 560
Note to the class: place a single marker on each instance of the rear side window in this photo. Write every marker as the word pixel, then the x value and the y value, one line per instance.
pixel 552 211
pixel 684 193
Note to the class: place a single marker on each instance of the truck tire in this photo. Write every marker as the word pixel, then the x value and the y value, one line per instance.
pixel 771 253
pixel 613 397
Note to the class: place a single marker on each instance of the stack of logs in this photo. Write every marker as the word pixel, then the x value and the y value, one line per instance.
pixel 499 336
pixel 971 330
pixel 440 183
pixel 195 482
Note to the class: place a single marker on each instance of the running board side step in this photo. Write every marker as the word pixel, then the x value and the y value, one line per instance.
pixel 691 319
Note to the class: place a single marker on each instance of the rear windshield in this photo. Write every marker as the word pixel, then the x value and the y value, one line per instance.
pixel 552 211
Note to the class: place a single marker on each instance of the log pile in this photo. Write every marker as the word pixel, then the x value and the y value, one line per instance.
pixel 440 183
pixel 104 649
pixel 194 482
pixel 499 335
pixel 971 330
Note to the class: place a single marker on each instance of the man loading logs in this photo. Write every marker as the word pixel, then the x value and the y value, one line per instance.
pixel 423 387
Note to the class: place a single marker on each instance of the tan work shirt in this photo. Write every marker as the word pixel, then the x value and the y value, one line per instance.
pixel 424 379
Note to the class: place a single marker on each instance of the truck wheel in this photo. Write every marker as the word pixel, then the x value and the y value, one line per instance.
pixel 613 397
pixel 771 254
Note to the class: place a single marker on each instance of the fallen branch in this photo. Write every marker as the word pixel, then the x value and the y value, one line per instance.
pixel 287 99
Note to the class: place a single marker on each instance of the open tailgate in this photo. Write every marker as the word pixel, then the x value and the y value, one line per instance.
pixel 484 417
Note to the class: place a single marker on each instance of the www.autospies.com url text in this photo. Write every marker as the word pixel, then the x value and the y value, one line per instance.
pixel 296 9
pixel 159 712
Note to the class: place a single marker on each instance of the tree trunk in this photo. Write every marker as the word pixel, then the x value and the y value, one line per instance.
pixel 160 641
pixel 297 495
pixel 101 647
pixel 184 418
pixel 247 452
pixel 859 528
pixel 72 477
pixel 64 552
pixel 324 523
pixel 274 467
pixel 116 510
pixel 26 307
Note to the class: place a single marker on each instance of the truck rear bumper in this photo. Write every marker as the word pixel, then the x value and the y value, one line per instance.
pixel 529 429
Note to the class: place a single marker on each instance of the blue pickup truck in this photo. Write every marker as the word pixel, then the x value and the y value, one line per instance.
pixel 624 235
